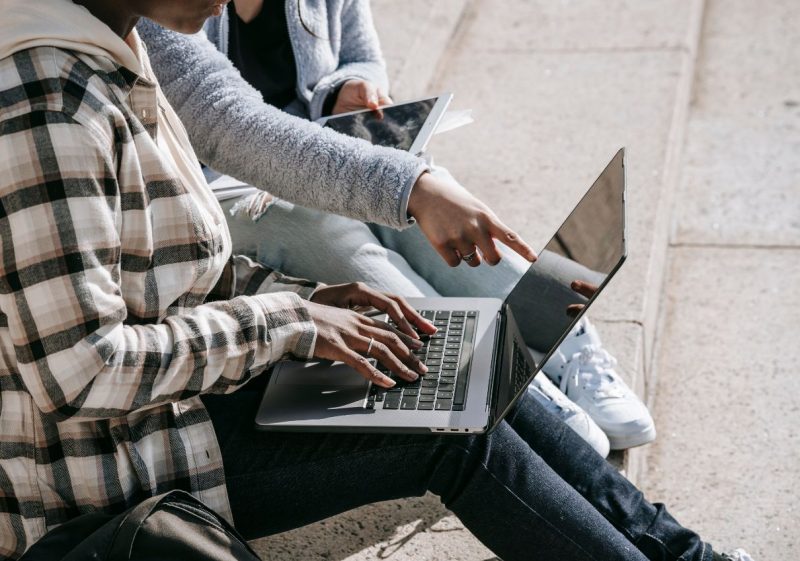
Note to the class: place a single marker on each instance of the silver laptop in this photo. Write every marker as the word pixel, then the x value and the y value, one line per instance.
pixel 486 350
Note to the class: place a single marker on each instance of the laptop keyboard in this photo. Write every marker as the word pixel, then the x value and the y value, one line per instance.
pixel 447 354
pixel 520 371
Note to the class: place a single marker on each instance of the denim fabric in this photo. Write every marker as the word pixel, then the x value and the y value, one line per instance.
pixel 530 489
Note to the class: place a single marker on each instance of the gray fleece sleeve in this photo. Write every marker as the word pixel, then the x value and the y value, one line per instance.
pixel 360 56
pixel 235 132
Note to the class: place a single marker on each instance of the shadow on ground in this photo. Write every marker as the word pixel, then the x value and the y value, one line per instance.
pixel 398 530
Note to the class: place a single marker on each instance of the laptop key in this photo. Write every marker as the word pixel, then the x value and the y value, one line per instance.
pixel 444 395
pixel 442 314
pixel 392 402
pixel 427 383
pixel 444 404
pixel 428 391
pixel 409 402
pixel 410 391
pixel 427 397
pixel 425 405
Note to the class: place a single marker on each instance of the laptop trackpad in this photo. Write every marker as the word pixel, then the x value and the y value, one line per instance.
pixel 315 390
pixel 319 373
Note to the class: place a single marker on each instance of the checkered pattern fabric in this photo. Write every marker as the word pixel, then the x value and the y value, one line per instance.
pixel 119 301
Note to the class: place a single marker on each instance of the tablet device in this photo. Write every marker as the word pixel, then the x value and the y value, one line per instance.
pixel 405 126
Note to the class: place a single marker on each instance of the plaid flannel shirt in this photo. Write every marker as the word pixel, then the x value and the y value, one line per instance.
pixel 119 301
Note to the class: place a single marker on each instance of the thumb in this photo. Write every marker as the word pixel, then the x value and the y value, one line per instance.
pixel 383 99
pixel 370 95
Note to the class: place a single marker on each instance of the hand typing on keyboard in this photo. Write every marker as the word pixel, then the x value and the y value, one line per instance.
pixel 446 354
pixel 352 338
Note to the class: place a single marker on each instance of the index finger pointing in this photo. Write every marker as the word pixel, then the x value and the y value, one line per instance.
pixel 507 236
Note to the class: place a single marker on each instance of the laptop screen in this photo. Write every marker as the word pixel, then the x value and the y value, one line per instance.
pixel 574 264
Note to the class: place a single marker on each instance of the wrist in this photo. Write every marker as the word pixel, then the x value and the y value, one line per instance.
pixel 419 193
pixel 330 101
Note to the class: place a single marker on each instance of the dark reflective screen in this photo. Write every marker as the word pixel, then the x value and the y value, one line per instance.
pixel 588 247
pixel 396 126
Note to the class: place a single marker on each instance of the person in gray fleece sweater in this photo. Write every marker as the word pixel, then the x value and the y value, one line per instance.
pixel 235 132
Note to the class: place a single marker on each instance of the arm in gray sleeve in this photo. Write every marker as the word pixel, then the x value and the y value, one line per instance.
pixel 235 132
pixel 360 56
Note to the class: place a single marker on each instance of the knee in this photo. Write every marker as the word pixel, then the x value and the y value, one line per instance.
pixel 464 460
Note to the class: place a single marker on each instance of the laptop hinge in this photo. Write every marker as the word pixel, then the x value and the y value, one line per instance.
pixel 497 366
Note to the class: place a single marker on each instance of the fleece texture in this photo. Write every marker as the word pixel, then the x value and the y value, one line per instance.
pixel 233 131
pixel 324 61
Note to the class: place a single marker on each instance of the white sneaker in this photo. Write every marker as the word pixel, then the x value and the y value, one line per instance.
pixel 737 555
pixel 585 372
pixel 543 391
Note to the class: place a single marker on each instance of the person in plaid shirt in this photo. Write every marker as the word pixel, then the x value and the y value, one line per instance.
pixel 131 340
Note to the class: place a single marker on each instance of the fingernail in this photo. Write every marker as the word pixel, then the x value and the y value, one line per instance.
pixel 414 375
pixel 423 368
pixel 416 343
pixel 392 383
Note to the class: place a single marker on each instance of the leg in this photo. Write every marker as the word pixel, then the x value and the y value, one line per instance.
pixel 498 486
pixel 649 527
pixel 323 247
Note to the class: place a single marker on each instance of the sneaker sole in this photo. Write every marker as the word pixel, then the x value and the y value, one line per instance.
pixel 632 440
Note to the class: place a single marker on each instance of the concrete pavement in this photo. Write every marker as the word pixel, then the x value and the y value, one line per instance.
pixel 728 459
pixel 556 87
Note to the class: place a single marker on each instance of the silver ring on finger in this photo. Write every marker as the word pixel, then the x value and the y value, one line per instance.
pixel 470 256
pixel 369 347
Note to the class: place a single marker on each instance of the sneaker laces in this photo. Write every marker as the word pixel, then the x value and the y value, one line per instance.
pixel 593 369
pixel 557 400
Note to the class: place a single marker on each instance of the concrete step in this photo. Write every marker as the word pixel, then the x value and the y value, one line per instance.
pixel 728 464
pixel 555 88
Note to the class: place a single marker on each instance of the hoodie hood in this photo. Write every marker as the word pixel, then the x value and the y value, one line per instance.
pixel 61 23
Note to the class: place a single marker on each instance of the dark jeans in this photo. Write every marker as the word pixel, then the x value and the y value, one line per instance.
pixel 530 489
